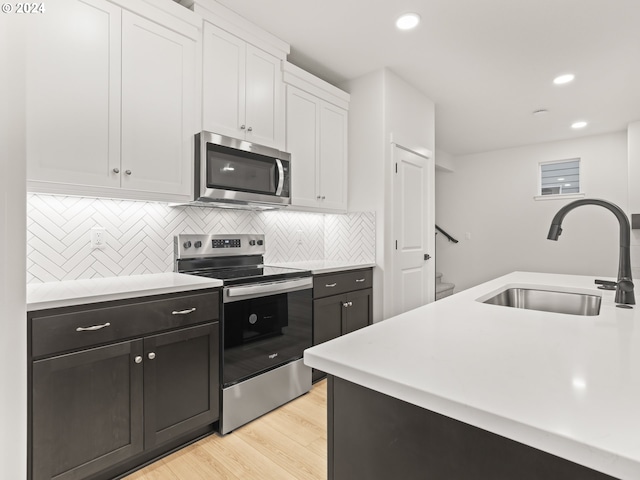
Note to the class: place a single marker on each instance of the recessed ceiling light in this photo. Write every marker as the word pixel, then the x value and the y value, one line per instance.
pixel 561 179
pixel 562 79
pixel 408 21
pixel 567 184
pixel 578 125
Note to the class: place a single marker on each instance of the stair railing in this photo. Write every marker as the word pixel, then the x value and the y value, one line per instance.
pixel 449 237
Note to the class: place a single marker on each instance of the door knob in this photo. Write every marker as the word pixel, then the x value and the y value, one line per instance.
pixel 427 256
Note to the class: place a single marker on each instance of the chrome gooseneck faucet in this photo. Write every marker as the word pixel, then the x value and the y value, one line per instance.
pixel 624 284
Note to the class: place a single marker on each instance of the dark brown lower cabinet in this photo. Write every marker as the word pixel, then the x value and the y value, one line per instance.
pixel 87 411
pixel 181 387
pixel 374 436
pixel 337 315
pixel 341 314
pixel 99 412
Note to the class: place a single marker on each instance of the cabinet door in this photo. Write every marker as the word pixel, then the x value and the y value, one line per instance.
pixel 181 382
pixel 264 98
pixel 327 318
pixel 158 92
pixel 223 88
pixel 87 411
pixel 302 127
pixel 359 312
pixel 333 157
pixel 73 94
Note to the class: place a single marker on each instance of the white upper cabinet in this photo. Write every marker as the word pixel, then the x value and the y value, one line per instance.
pixel 111 102
pixel 332 165
pixel 242 91
pixel 303 114
pixel 73 94
pixel 316 137
pixel 158 95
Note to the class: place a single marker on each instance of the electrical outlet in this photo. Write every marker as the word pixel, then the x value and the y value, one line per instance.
pixel 98 238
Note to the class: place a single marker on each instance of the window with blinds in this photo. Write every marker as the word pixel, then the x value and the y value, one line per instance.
pixel 561 177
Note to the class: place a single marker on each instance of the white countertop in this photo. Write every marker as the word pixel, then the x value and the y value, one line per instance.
pixel 324 266
pixel 77 292
pixel 565 384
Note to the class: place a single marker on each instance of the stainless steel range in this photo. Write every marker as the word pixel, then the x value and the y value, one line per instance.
pixel 266 322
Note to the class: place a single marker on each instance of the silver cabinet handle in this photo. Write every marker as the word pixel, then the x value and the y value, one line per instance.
pixel 330 285
pixel 242 127
pixel 184 312
pixel 116 170
pixel 359 280
pixel 138 359
pixel 351 304
pixel 345 304
pixel 92 328
pixel 128 172
pixel 323 197
pixel 151 355
pixel 250 129
pixel 318 197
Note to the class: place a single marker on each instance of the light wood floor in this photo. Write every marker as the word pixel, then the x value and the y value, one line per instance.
pixel 289 443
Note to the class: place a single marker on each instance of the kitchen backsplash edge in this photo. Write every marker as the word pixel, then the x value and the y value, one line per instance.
pixel 139 235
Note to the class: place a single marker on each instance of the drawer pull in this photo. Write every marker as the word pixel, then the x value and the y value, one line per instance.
pixel 330 285
pixel 92 328
pixel 138 359
pixel 184 312
pixel 359 280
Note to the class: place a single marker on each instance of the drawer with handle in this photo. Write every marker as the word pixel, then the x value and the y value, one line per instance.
pixel 336 283
pixel 73 328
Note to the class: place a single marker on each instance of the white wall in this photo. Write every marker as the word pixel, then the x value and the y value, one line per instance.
pixel 490 197
pixel 383 106
pixel 633 179
pixel 444 161
pixel 13 336
pixel 366 164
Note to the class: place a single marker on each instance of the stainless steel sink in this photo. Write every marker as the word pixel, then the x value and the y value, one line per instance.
pixel 548 301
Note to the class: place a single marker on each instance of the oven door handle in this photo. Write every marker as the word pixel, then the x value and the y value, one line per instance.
pixel 262 289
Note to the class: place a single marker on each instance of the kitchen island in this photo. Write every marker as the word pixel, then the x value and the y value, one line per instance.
pixel 460 389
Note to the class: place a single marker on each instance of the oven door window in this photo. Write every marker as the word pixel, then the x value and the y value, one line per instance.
pixel 247 173
pixel 263 333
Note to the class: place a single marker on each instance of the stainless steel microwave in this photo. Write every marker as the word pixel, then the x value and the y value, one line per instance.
pixel 235 173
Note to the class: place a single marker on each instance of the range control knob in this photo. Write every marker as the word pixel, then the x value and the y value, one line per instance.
pixel 186 244
pixel 198 244
pixel 252 242
pixel 260 242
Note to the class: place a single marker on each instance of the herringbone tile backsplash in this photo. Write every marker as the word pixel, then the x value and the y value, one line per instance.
pixel 139 235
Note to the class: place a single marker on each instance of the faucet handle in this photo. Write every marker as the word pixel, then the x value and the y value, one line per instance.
pixel 605 284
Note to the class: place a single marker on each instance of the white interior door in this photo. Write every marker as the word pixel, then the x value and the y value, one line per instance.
pixel 414 280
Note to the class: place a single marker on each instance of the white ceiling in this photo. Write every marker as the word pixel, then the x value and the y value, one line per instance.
pixel 487 64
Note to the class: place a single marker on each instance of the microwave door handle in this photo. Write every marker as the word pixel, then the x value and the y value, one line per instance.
pixel 280 177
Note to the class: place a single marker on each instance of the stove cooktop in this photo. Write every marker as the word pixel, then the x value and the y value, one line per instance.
pixel 233 258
